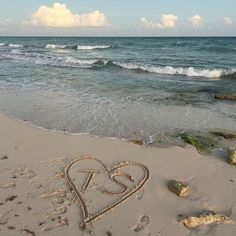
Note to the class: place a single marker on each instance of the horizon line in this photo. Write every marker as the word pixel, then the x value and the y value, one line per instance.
pixel 118 36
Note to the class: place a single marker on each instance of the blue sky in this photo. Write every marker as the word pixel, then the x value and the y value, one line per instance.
pixel 120 18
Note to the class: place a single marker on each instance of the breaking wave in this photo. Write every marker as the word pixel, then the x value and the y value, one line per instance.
pixel 70 61
pixel 11 45
pixel 89 47
pixel 169 70
pixel 77 47
pixel 15 45
pixel 58 46
pixel 51 60
pixel 53 46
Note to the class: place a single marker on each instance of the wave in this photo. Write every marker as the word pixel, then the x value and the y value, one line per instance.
pixel 15 45
pixel 51 60
pixel 231 75
pixel 89 47
pixel 53 46
pixel 58 46
pixel 18 54
pixel 77 47
pixel 71 62
pixel 11 45
pixel 169 70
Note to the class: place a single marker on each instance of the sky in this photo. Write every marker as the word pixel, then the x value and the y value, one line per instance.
pixel 118 18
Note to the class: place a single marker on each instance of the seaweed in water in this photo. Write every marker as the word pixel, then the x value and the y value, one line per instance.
pixel 203 142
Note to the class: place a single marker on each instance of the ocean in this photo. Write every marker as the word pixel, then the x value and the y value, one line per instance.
pixel 132 88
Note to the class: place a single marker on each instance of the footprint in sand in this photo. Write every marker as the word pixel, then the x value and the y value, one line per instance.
pixel 3 157
pixel 143 222
pixel 61 222
pixel 10 198
pixel 4 218
pixel 28 232
pixel 23 172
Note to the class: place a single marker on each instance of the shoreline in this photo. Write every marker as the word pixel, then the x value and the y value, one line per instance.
pixel 167 139
pixel 32 177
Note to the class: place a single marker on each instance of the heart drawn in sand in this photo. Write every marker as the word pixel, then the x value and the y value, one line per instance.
pixel 119 170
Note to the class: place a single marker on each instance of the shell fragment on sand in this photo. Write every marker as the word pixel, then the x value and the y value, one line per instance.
pixel 232 155
pixel 8 185
pixel 192 222
pixel 179 188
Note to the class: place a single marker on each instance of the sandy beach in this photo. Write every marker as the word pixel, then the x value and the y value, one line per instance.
pixel 117 119
pixel 35 198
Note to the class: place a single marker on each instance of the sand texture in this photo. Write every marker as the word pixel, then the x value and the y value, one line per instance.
pixel 60 184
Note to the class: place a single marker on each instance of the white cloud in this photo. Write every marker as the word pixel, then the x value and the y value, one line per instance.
pixel 60 16
pixel 145 23
pixel 4 23
pixel 195 21
pixel 228 20
pixel 166 21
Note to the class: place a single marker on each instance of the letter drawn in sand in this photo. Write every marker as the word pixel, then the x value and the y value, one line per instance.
pixel 124 184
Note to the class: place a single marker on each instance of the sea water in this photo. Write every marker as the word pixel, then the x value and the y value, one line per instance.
pixel 135 88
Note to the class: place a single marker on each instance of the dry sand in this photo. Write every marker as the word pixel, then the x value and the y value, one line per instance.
pixel 35 197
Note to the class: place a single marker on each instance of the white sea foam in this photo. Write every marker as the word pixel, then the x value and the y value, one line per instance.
pixel 90 47
pixel 74 62
pixel 169 70
pixel 15 51
pixel 79 47
pixel 70 62
pixel 15 45
pixel 53 46
pixel 60 61
pixel 2 44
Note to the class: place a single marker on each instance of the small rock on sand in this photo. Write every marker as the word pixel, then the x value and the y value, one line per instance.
pixel 137 142
pixel 192 222
pixel 226 97
pixel 232 155
pixel 179 188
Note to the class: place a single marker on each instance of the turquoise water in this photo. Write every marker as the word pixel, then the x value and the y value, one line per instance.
pixel 119 87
